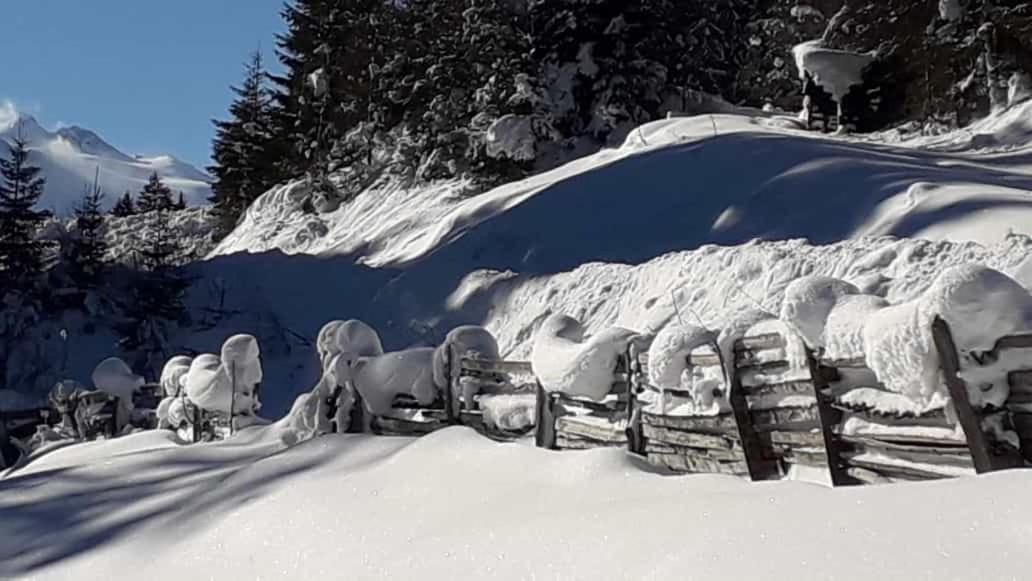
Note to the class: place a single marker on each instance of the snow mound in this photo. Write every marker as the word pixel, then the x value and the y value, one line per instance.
pixel 566 361
pixel 114 377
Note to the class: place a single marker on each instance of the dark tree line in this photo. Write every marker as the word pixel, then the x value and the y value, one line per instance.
pixel 40 277
pixel 485 89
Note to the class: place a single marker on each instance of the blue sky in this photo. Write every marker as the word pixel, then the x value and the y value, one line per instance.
pixel 148 76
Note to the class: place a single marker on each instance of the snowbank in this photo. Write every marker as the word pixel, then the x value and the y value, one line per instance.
pixel 173 510
pixel 565 360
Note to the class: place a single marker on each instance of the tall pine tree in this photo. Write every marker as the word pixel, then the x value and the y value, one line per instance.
pixel 89 246
pixel 21 186
pixel 244 149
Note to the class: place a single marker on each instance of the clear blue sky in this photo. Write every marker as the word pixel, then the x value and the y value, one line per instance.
pixel 146 75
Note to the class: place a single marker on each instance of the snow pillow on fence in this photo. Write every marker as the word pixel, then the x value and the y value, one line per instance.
pixel 843 336
pixel 469 341
pixel 381 379
pixel 201 384
pixel 809 300
pixel 354 339
pixel 114 377
pixel 326 342
pixel 565 361
pixel 172 375
pixel 979 304
pixel 668 354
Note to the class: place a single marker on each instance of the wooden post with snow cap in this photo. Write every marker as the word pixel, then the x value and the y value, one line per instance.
pixel 949 361
pixel 232 393
pixel 449 385
pixel 759 467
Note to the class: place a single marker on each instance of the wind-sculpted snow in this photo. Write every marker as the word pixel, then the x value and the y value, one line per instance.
pixel 113 376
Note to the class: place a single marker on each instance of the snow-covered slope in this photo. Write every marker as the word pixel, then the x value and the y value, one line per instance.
pixel 71 156
pixel 455 505
pixel 629 236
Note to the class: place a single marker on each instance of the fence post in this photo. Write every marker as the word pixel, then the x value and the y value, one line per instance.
pixel 232 394
pixel 828 418
pixel 949 362
pixel 449 388
pixel 759 467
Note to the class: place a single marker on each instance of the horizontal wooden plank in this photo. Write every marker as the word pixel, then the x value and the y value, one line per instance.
pixel 1022 423
pixel 1020 381
pixel 698 465
pixel 912 452
pixel 655 447
pixel 396 426
pixel 765 368
pixel 934 418
pixel 721 423
pixel 1013 342
pixel 603 432
pixel 865 476
pixel 849 363
pixel 893 470
pixel 905 439
pixel 495 366
pixel 1019 398
pixel 790 419
pixel 786 388
pixel 807 456
pixel 566 404
pixel 689 439
pixel 567 442
pixel 759 342
pixel 704 360
pixel 813 439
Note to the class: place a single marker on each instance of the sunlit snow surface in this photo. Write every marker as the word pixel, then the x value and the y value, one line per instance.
pixel 454 505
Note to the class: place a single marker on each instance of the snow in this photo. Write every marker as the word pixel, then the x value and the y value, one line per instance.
pixel 843 336
pixel 669 369
pixel 172 374
pixel 834 70
pixel 565 360
pixel 512 137
pixel 374 506
pixel 381 379
pixel 114 377
pixel 465 342
pixel 71 156
pixel 808 302
pixel 509 412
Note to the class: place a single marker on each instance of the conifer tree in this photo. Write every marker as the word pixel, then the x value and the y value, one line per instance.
pixel 21 187
pixel 155 195
pixel 181 203
pixel 124 206
pixel 89 246
pixel 244 149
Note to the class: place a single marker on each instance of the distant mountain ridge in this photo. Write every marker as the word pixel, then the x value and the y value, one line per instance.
pixel 71 156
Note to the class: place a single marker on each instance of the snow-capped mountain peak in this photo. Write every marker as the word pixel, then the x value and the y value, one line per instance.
pixel 71 156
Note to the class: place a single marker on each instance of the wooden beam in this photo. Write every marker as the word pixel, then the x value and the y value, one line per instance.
pixel 690 439
pixel 574 426
pixel 790 419
pixel 490 366
pixel 849 363
pixel 949 361
pixel 1020 381
pixel 720 423
pixel 802 387
pixel 1023 341
pixel 703 360
pixel 895 470
pixel 759 342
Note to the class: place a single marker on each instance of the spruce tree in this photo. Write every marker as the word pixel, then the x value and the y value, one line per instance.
pixel 124 206
pixel 181 203
pixel 156 291
pixel 244 149
pixel 90 245
pixel 21 186
pixel 155 195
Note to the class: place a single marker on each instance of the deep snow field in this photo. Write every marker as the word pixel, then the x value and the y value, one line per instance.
pixel 698 218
